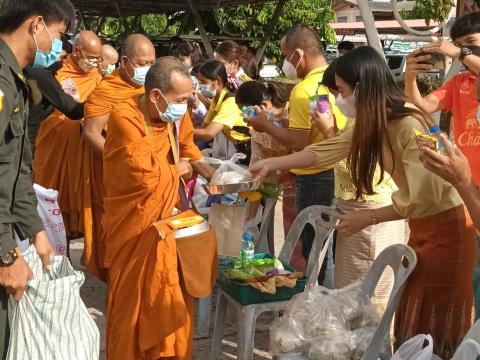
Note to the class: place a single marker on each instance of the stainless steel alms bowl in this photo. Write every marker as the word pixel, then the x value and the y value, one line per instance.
pixel 250 185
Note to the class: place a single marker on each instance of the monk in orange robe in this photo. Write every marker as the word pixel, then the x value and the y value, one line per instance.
pixel 150 312
pixel 138 54
pixel 59 147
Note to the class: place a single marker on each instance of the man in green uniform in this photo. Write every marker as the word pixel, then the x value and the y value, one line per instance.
pixel 29 35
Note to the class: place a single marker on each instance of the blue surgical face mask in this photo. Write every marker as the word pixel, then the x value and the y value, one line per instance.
pixel 173 113
pixel 109 70
pixel 139 74
pixel 206 91
pixel 44 59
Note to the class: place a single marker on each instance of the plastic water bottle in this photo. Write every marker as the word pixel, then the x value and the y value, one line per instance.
pixel 248 246
pixel 435 131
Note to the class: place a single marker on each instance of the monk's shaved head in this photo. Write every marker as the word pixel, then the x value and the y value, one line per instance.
pixel 88 41
pixel 161 73
pixel 137 45
pixel 137 52
pixel 109 54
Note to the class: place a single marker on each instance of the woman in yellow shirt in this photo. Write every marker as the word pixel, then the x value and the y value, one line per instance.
pixel 438 296
pixel 224 122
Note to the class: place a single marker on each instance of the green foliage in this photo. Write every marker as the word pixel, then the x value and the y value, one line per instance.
pixel 250 21
pixel 436 10
pixel 112 27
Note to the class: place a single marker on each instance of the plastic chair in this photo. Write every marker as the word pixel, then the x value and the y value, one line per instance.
pixel 393 256
pixel 402 259
pixel 247 314
pixel 263 245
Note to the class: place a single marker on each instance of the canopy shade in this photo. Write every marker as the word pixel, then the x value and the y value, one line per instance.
pixel 140 7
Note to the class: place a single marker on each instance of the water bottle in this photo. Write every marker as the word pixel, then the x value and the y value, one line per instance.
pixel 248 246
pixel 435 131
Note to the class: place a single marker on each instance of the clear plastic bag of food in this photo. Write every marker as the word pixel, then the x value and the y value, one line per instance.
pixel 326 318
pixel 287 336
pixel 356 305
pixel 338 346
pixel 229 172
pixel 362 338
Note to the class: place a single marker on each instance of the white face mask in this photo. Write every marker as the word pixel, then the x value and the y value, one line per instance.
pixel 347 105
pixel 289 69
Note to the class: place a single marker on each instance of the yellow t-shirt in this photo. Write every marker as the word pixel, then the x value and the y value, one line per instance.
pixel 300 117
pixel 227 113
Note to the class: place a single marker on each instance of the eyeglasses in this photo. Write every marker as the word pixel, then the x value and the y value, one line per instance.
pixel 91 57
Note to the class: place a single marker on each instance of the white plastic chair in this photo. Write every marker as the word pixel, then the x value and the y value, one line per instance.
pixel 247 314
pixel 393 256
pixel 262 245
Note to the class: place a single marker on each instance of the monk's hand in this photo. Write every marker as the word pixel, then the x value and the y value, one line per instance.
pixel 184 169
pixel 353 222
pixel 14 277
pixel 453 168
pixel 202 169
pixel 44 249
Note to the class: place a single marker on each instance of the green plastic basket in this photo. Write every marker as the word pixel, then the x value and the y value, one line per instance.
pixel 245 294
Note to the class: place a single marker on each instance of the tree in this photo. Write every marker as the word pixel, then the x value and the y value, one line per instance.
pixel 436 10
pixel 250 21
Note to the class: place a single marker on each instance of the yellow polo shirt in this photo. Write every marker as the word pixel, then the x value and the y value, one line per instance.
pixel 300 117
pixel 227 113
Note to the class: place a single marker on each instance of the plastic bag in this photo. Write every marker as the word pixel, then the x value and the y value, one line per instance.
pixel 49 211
pixel 287 336
pixel 469 349
pixel 415 349
pixel 362 338
pixel 229 172
pixel 335 347
pixel 51 321
pixel 327 317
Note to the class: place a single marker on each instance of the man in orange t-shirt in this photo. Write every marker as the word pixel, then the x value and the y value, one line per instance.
pixel 124 85
pixel 59 148
pixel 459 95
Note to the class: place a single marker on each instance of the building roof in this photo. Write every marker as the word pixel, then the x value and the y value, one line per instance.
pixel 140 7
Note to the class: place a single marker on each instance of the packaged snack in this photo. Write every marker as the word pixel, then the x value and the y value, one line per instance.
pixel 424 140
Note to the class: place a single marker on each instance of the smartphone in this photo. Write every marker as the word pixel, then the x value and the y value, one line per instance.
pixel 436 60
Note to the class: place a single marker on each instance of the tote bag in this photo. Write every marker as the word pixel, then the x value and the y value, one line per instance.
pixel 51 322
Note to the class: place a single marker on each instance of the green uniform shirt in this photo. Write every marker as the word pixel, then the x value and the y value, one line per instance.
pixel 18 203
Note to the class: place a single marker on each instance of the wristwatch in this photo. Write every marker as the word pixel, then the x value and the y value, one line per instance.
pixel 373 217
pixel 464 51
pixel 8 258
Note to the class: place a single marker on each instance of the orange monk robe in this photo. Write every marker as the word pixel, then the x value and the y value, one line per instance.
pixel 59 148
pixel 150 314
pixel 111 91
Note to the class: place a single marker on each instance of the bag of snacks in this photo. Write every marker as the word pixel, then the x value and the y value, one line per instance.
pixel 229 172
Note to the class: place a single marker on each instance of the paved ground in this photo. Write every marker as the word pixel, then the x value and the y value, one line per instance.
pixel 94 294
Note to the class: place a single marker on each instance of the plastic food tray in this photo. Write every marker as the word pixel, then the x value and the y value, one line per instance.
pixel 246 294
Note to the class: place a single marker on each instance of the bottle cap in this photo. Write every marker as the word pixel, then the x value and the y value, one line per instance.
pixel 435 129
pixel 248 237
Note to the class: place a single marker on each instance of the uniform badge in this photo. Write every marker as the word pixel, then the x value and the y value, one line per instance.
pixel 1 100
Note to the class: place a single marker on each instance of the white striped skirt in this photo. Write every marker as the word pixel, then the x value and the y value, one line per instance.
pixel 354 255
